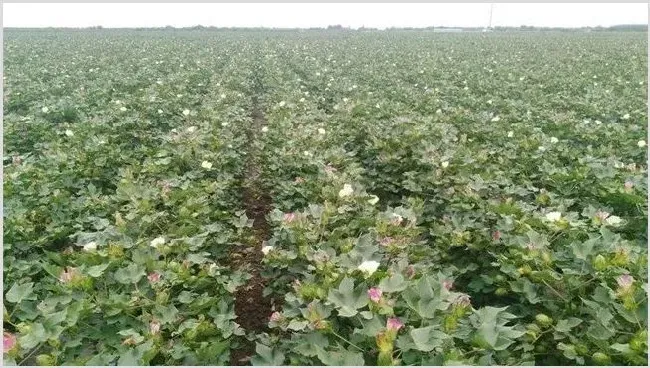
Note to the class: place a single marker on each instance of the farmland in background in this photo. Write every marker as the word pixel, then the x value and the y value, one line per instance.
pixel 324 198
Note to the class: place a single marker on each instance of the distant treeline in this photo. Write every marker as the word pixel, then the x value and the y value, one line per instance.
pixel 620 28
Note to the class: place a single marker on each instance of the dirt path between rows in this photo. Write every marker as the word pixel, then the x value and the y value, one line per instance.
pixel 251 307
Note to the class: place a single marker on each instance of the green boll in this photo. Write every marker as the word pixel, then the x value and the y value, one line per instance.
pixel 600 263
pixel 543 320
pixel 601 358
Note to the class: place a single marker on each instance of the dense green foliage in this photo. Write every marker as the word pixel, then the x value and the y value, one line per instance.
pixel 437 198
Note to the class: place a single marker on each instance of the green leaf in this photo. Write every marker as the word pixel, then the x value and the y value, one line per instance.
pixel 565 325
pixel 35 336
pixel 96 271
pixel 296 325
pixel 584 249
pixel 20 292
pixel 166 313
pixel 267 356
pixel 425 297
pixel 427 338
pixel 347 299
pixel 309 343
pixel 130 274
pixel 393 284
pixel 340 357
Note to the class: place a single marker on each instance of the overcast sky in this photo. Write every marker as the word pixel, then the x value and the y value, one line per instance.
pixel 321 15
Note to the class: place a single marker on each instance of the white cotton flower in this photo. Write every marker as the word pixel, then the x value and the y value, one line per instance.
pixel 541 148
pixel 626 116
pixel 554 140
pixel 45 109
pixel 368 267
pixel 466 88
pixel 445 164
pixel 495 119
pixel 598 122
pixel 267 249
pixel 302 99
pixel 346 191
pixel 223 95
pixel 345 99
pixel 613 220
pixel 439 111
pixel 521 78
pixel 224 124
pixel 489 102
pixel 373 199
pixel 69 133
pixel 157 242
pixel 191 129
pixel 321 131
pixel 122 108
pixel 511 134
pixel 554 216
pixel 307 153
pixel 159 82
pixel 90 246
pixel 354 86
pixel 641 143
pixel 206 164
pixel 282 103
pixel 160 111
pixel 186 112
pixel 179 95
pixel 265 129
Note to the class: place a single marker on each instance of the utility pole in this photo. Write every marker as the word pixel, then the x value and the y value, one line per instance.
pixel 491 10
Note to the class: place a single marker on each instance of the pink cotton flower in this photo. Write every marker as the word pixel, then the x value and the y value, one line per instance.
pixel 154 327
pixel 628 185
pixel 496 235
pixel 462 300
pixel 153 277
pixel 8 341
pixel 410 271
pixel 16 160
pixel 299 180
pixel 68 275
pixel 625 282
pixel 276 317
pixel 329 169
pixel 447 284
pixel 289 217
pixel 386 241
pixel 394 324
pixel 375 294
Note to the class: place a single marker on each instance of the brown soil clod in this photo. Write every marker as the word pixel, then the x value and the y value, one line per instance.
pixel 251 307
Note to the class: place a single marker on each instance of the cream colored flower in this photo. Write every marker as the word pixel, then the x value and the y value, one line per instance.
pixel 613 220
pixel 373 199
pixel 186 112
pixel 554 140
pixel 368 267
pixel 206 164
pixel 445 164
pixel 267 249
pixel 90 246
pixel 157 242
pixel 511 134
pixel 346 191
pixel 554 216
pixel 69 133
pixel 641 143
pixel 321 131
